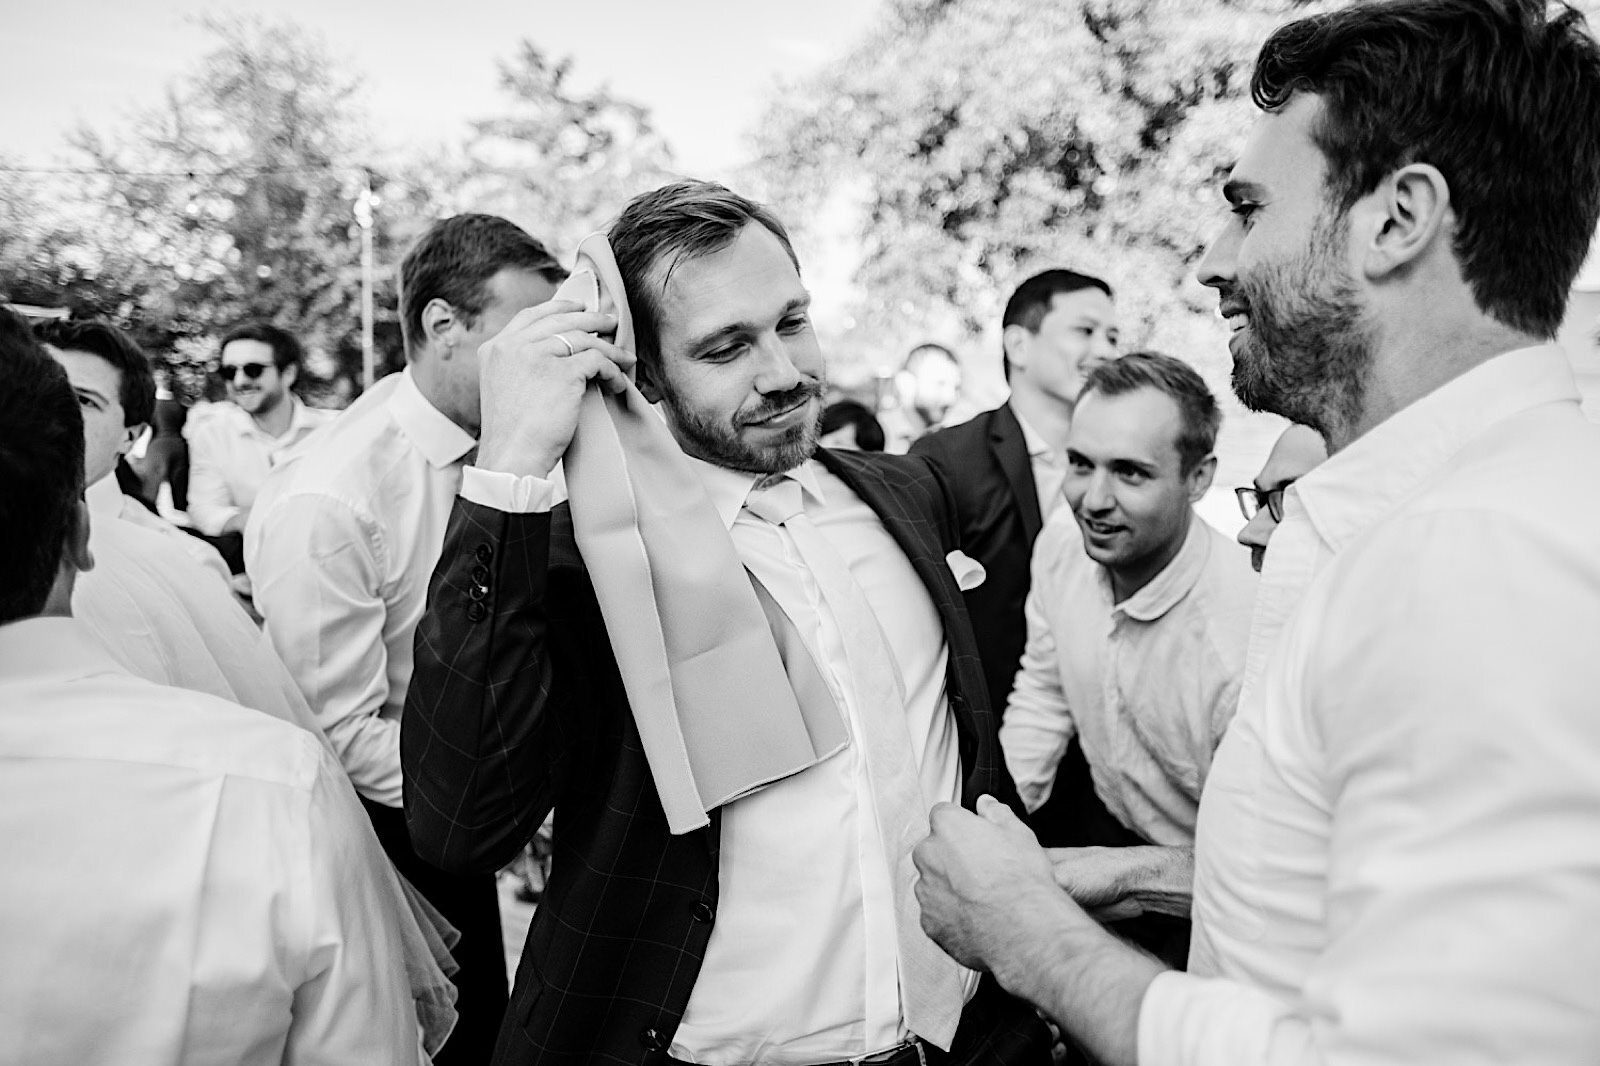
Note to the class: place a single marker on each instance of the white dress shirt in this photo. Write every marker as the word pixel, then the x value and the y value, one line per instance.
pixel 230 457
pixel 1048 466
pixel 178 884
pixel 801 963
pixel 1397 850
pixel 339 551
pixel 107 502
pixel 1149 685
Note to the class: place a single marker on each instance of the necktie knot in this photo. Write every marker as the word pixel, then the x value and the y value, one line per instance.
pixel 775 499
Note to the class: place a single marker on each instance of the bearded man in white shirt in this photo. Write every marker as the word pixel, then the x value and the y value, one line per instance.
pixel 347 531
pixel 239 925
pixel 1393 858
pixel 233 449
pixel 1137 617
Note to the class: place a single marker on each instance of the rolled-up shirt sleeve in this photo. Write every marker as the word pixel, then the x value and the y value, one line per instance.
pixel 318 570
pixel 1443 692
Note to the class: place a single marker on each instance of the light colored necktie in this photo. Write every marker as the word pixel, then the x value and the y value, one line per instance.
pixel 715 711
pixel 931 983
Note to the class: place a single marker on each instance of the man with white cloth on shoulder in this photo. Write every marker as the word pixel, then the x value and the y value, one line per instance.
pixel 1395 857
pixel 233 925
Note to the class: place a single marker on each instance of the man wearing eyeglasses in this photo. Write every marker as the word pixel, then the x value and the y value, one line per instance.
pixel 232 451
pixel 1297 452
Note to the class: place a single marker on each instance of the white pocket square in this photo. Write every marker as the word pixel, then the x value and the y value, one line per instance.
pixel 969 573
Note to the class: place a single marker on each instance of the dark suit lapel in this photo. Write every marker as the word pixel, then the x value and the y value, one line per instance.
pixel 1011 452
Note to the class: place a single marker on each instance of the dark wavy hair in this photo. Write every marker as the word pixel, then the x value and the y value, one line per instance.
pixel 1501 97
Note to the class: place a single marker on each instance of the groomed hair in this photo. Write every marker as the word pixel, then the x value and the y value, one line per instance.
pixel 660 229
pixel 456 259
pixel 136 380
pixel 1031 301
pixel 286 350
pixel 1176 379
pixel 841 413
pixel 926 350
pixel 41 468
pixel 1499 97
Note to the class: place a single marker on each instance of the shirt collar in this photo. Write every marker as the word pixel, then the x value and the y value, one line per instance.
pixel 1176 580
pixel 55 648
pixel 728 488
pixel 104 497
pixel 1357 486
pixel 440 440
pixel 1038 447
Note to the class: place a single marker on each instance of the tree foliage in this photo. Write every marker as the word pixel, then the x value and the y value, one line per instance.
pixel 976 141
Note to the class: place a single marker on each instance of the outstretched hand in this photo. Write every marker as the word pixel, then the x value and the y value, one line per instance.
pixel 532 377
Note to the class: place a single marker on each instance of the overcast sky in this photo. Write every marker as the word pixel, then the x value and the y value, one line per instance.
pixel 704 67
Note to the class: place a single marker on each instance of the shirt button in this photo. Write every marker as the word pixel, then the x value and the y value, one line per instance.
pixel 652 1040
pixel 701 911
pixel 483 553
pixel 477 612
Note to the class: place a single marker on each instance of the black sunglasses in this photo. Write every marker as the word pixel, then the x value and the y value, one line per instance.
pixel 1252 500
pixel 251 371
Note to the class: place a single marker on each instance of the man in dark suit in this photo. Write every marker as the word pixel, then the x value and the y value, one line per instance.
pixel 1005 469
pixel 771 934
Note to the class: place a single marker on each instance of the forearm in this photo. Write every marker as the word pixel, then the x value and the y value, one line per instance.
pixel 483 737
pixel 1087 981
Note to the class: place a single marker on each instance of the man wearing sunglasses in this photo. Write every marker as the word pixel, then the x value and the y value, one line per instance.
pixel 231 452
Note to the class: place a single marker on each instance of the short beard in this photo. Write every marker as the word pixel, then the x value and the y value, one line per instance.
pixel 722 445
pixel 1310 349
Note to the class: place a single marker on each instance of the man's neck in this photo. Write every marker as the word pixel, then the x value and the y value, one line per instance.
pixel 1415 358
pixel 1045 415
pixel 275 422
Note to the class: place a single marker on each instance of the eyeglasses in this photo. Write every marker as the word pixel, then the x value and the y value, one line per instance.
pixel 1251 500
pixel 252 371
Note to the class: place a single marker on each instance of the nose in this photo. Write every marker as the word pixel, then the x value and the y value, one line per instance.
pixel 777 371
pixel 1101 347
pixel 1097 495
pixel 1216 266
pixel 1255 535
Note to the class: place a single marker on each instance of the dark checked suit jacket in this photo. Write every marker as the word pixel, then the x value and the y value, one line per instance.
pixel 985 462
pixel 516 707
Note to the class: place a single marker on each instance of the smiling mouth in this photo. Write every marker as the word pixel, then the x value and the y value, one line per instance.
pixel 1100 529
pixel 777 416
pixel 1235 315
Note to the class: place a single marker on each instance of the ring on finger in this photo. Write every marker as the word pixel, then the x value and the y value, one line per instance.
pixel 570 349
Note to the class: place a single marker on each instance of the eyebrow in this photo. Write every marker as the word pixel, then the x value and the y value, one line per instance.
pixel 1238 189
pixel 93 394
pixel 735 329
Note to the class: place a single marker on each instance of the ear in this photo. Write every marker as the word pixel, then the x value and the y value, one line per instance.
pixel 1200 478
pixel 289 375
pixel 439 323
pixel 76 549
pixel 130 437
pixel 1014 342
pixel 644 373
pixel 1400 220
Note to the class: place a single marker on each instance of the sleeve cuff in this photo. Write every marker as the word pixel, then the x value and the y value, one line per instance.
pixel 507 492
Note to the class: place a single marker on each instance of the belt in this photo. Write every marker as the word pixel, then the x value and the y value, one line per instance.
pixel 912 1053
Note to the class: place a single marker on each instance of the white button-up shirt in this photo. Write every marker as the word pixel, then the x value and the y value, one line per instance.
pixel 230 457
pixel 339 551
pixel 108 503
pixel 1149 685
pixel 1398 856
pixel 803 853
pixel 183 880
pixel 1048 466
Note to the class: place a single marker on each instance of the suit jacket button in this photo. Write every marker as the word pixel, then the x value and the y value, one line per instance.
pixel 477 612
pixel 483 553
pixel 701 911
pixel 477 592
pixel 652 1040
pixel 480 574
